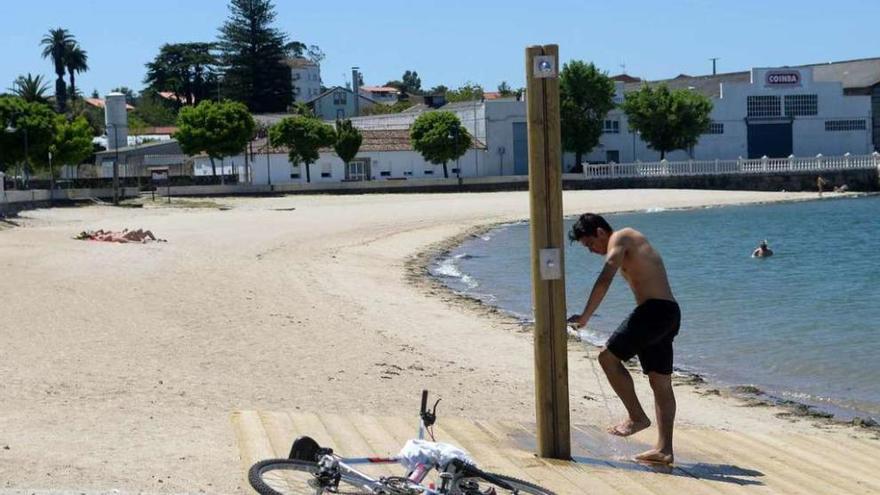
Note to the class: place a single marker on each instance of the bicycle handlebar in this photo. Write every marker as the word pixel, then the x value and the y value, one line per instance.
pixel 424 402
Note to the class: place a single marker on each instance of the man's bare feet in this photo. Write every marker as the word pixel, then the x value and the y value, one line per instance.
pixel 655 456
pixel 629 427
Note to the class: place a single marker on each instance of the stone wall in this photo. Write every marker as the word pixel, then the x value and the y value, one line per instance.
pixel 856 180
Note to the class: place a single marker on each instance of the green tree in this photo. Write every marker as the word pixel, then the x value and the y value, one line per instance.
pixel 586 95
pixel 155 110
pixel 295 49
pixel 396 84
pixel 189 70
pixel 56 45
pixel 217 129
pixel 438 90
pixel 253 53
pixel 668 120
pixel 130 97
pixel 412 83
pixel 301 109
pixel 504 89
pixel 33 129
pixel 440 138
pixel 386 109
pixel 348 140
pixel 76 61
pixel 31 88
pixel 303 136
pixel 71 144
pixel 469 91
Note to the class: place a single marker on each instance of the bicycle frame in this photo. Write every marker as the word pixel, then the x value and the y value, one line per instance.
pixel 426 419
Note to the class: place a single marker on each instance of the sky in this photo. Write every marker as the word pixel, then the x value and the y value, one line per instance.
pixel 454 42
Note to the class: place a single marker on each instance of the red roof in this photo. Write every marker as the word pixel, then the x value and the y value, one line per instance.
pixel 380 89
pixel 99 103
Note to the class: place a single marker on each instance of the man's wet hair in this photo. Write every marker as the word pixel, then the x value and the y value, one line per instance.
pixel 586 226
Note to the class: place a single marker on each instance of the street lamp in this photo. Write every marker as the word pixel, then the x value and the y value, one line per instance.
pixel 51 178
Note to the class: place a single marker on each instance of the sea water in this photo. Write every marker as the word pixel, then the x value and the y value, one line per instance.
pixel 802 325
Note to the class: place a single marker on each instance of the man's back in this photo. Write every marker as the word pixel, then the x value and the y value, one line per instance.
pixel 642 266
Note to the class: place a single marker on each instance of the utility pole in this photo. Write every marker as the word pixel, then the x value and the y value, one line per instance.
pixel 714 59
pixel 548 281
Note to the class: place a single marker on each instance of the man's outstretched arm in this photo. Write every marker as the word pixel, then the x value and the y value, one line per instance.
pixel 613 260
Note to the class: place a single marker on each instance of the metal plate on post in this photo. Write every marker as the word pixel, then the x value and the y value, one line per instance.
pixel 551 265
pixel 545 67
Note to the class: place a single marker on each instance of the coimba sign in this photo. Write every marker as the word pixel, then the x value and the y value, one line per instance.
pixel 783 78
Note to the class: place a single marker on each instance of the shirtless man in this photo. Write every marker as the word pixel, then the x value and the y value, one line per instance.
pixel 762 251
pixel 647 332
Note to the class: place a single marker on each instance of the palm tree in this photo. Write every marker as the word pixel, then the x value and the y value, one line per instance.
pixel 76 60
pixel 56 45
pixel 31 88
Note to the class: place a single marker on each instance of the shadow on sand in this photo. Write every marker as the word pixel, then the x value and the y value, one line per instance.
pixel 724 473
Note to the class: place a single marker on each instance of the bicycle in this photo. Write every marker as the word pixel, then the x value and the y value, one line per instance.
pixel 312 469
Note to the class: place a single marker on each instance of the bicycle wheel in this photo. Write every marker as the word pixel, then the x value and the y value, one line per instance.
pixel 291 476
pixel 483 483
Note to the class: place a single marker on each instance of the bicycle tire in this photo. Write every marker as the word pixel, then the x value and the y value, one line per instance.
pixel 293 476
pixel 478 482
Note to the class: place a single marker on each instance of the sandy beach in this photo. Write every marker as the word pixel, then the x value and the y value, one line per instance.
pixel 121 364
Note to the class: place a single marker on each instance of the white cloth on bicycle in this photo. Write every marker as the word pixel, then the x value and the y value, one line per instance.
pixel 417 452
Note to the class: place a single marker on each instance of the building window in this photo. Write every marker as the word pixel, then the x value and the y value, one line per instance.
pixel 297 76
pixel 294 176
pixel 611 127
pixel 801 105
pixel 845 125
pixel 385 173
pixel 340 98
pixel 763 106
pixel 715 128
pixel 340 113
pixel 407 173
pixel 325 175
pixel 429 172
pixel 455 171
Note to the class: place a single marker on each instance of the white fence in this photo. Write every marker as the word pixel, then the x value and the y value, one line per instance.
pixel 740 166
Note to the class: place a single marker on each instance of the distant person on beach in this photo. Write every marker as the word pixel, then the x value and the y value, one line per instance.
pixel 820 184
pixel 762 251
pixel 647 332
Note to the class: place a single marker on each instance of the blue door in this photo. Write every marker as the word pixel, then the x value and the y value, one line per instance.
pixel 771 139
pixel 520 149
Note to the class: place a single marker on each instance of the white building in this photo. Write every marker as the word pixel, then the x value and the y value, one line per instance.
pixel 305 79
pixel 777 112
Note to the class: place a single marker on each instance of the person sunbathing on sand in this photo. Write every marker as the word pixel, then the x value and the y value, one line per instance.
pixel 123 237
pixel 647 332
